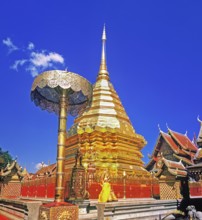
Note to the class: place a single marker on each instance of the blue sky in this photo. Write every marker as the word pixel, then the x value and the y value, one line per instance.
pixel 154 57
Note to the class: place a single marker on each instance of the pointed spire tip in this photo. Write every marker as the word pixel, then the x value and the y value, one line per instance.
pixel 104 33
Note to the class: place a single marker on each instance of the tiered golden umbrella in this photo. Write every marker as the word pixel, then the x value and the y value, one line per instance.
pixel 64 93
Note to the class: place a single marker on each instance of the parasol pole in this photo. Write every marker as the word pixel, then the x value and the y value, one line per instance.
pixel 62 124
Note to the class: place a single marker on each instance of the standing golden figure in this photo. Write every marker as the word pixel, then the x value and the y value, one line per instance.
pixel 106 194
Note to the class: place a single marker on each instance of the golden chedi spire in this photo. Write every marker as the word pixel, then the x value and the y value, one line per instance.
pixel 103 73
pixel 106 111
pixel 104 132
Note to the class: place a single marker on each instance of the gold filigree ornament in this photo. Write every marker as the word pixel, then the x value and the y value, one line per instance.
pixel 66 215
pixel 47 87
pixel 43 215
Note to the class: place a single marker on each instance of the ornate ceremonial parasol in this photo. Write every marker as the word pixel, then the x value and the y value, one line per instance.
pixel 64 93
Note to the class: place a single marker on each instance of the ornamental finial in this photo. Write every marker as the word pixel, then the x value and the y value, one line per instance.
pixel 159 128
pixel 103 73
pixel 199 119
pixel 167 126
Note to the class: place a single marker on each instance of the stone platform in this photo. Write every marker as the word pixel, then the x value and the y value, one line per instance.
pixel 147 209
pixel 17 209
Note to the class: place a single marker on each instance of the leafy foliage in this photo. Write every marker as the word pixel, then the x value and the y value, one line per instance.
pixel 5 159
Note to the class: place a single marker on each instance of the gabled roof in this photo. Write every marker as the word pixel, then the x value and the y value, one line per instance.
pixel 182 147
pixel 172 144
pixel 50 169
pixel 183 141
pixel 173 167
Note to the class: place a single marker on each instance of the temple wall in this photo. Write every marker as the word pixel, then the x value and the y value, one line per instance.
pixel 39 188
pixel 45 188
pixel 169 189
pixel 10 189
pixel 195 188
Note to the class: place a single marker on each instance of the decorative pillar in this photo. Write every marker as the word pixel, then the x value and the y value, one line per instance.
pixel 59 190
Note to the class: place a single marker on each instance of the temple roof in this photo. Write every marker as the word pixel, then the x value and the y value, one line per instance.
pixel 174 168
pixel 199 165
pixel 12 169
pixel 183 140
pixel 184 159
pixel 172 144
pixel 106 112
pixel 182 149
pixel 45 170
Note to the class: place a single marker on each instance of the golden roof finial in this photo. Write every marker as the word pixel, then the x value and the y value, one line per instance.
pixel 103 73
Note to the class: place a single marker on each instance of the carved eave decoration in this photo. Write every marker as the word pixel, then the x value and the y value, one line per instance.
pixel 158 173
pixel 189 153
pixel 185 160
pixel 198 154
pixel 174 168
pixel 11 170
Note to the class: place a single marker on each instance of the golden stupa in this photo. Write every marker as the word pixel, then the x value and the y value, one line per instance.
pixel 105 135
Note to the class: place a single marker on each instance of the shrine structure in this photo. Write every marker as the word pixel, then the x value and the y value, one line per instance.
pixel 176 160
pixel 108 143
pixel 11 174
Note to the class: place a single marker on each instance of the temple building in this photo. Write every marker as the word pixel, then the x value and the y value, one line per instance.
pixel 108 142
pixel 11 175
pixel 40 184
pixel 175 159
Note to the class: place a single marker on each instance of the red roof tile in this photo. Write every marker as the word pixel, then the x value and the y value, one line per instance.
pixel 183 140
pixel 172 144
pixel 45 169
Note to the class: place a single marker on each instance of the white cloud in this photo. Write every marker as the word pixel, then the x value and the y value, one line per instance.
pixel 46 60
pixel 33 70
pixel 10 45
pixel 18 63
pixel 34 61
pixel 30 46
pixel 40 165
